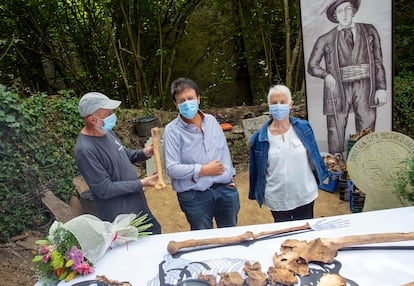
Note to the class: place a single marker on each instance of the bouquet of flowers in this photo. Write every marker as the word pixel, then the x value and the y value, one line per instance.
pixel 72 248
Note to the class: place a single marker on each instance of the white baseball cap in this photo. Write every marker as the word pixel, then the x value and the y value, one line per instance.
pixel 92 101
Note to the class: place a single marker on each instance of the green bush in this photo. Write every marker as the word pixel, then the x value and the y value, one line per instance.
pixel 404 183
pixel 37 137
pixel 403 105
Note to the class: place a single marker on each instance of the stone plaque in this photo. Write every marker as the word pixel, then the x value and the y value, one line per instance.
pixel 373 164
pixel 251 125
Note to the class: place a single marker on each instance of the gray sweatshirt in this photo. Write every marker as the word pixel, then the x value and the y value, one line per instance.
pixel 105 164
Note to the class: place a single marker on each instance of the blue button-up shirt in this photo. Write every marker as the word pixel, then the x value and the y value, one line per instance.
pixel 187 148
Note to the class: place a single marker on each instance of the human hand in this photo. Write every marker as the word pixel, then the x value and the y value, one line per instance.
pixel 380 97
pixel 149 151
pixel 149 181
pixel 330 83
pixel 213 168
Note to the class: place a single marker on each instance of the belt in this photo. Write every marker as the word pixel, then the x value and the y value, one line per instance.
pixel 356 72
pixel 216 185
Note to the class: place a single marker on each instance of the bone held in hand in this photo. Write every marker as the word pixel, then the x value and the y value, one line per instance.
pixel 175 246
pixel 160 181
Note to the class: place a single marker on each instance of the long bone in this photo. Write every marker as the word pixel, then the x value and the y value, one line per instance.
pixel 175 246
pixel 296 254
pixel 249 237
pixel 160 184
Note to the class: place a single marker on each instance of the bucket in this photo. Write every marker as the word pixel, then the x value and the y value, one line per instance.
pixel 333 182
pixel 356 198
pixel 143 125
pixel 343 187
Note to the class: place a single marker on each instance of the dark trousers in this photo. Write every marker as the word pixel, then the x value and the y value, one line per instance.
pixel 357 100
pixel 156 227
pixel 302 212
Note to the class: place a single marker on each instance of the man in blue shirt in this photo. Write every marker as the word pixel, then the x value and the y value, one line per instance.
pixel 198 161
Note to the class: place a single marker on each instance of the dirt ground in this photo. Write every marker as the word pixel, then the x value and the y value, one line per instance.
pixel 164 206
pixel 16 267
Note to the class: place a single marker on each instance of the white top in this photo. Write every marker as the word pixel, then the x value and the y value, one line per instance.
pixel 289 179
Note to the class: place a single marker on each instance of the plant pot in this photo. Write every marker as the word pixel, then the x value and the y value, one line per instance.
pixel 143 125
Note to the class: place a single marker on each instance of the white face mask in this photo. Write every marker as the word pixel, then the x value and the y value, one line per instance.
pixel 279 111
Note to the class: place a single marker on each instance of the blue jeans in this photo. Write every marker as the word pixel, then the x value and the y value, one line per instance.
pixel 220 202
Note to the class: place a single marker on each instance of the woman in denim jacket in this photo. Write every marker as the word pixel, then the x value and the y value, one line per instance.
pixel 284 157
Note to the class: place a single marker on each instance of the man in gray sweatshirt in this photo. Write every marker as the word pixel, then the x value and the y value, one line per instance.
pixel 105 163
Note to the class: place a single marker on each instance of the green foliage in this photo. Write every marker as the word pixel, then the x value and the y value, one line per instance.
pixel 404 183
pixel 132 50
pixel 37 137
pixel 403 36
pixel 238 149
pixel 410 172
pixel 403 105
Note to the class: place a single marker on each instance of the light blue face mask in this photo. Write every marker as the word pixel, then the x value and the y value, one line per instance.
pixel 188 108
pixel 279 111
pixel 109 122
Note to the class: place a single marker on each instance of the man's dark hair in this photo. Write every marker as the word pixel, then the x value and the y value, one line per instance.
pixel 181 84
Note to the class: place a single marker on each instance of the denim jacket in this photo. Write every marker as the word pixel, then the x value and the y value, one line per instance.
pixel 259 149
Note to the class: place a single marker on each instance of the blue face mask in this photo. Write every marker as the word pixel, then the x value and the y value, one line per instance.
pixel 109 122
pixel 279 111
pixel 188 108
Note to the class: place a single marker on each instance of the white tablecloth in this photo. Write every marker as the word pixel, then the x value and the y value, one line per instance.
pixel 139 262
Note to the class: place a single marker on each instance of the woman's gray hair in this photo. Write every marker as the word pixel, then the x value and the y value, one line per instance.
pixel 282 88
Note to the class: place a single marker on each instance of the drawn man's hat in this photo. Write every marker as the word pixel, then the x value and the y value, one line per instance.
pixel 330 11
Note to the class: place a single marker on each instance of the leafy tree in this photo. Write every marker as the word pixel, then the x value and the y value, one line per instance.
pixel 37 137
pixel 121 47
pixel 403 36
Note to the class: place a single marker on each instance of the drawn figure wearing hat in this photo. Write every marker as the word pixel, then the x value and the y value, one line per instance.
pixel 353 73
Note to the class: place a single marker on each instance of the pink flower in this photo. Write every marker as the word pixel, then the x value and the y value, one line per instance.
pixel 46 257
pixel 84 268
pixel 76 255
pixel 44 249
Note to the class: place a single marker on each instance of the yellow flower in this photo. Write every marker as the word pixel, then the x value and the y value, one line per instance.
pixel 69 263
pixel 70 276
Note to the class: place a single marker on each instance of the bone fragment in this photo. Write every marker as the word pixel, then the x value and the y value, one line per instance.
pixel 330 279
pixel 255 276
pixel 230 279
pixel 283 276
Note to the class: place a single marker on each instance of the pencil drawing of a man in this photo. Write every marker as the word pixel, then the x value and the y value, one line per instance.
pixel 353 72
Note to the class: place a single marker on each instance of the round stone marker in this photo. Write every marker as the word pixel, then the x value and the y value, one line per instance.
pixel 373 163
